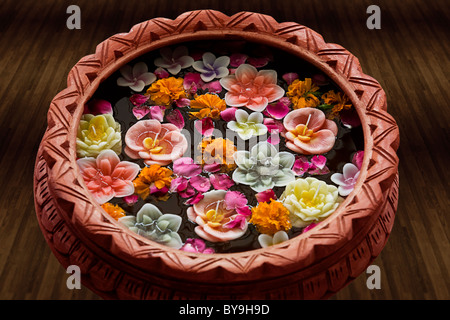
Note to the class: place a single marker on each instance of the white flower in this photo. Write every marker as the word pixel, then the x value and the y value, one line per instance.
pixel 174 60
pixel 347 179
pixel 266 240
pixel 136 77
pixel 150 223
pixel 247 125
pixel 309 200
pixel 211 68
pixel 263 167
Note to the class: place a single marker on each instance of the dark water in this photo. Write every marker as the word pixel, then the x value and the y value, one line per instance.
pixel 347 143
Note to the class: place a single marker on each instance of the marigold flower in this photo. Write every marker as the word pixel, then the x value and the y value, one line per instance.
pixel 154 178
pixel 270 217
pixel 301 94
pixel 114 211
pixel 167 90
pixel 218 151
pixel 339 101
pixel 210 105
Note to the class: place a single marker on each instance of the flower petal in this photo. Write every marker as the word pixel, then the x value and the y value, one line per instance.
pixel 200 183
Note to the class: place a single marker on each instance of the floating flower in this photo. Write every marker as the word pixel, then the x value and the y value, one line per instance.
pixel 107 177
pixel 309 132
pixel 263 167
pixel 211 67
pixel 196 246
pixel 152 180
pixel 251 88
pixel 98 133
pixel 174 60
pixel 309 200
pixel 347 179
pixel 248 126
pixel 211 215
pixel 154 142
pixel 339 101
pixel 266 196
pixel 270 217
pixel 136 77
pixel 114 211
pixel 266 240
pixel 98 106
pixel 167 90
pixel 210 105
pixel 150 223
pixel 217 151
pixel 302 94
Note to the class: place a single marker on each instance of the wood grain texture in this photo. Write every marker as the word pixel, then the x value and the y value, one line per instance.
pixel 408 56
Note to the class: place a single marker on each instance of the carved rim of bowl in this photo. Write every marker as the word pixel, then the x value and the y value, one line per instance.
pixel 304 254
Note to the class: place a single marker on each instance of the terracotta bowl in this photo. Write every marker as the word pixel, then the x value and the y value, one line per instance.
pixel 119 264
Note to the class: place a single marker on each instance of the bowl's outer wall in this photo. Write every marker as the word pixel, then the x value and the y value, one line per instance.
pixel 116 263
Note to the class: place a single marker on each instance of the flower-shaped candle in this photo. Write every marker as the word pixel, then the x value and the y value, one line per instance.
pixel 263 167
pixel 174 60
pixel 154 142
pixel 347 179
pixel 251 88
pixel 107 177
pixel 215 219
pixel 309 200
pixel 98 133
pixel 150 223
pixel 211 67
pixel 248 126
pixel 136 77
pixel 309 132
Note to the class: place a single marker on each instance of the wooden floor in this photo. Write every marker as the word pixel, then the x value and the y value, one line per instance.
pixel 408 56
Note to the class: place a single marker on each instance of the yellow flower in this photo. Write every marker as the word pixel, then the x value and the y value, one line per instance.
pixel 301 94
pixel 98 133
pixel 210 105
pixel 155 175
pixel 270 218
pixel 218 151
pixel 167 90
pixel 309 200
pixel 114 211
pixel 338 100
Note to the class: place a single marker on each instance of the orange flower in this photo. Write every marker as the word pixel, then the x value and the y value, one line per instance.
pixel 270 217
pixel 167 90
pixel 219 151
pixel 114 211
pixel 301 94
pixel 210 105
pixel 150 178
pixel 338 100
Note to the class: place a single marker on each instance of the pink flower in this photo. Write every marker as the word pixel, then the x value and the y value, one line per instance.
pixel 309 132
pixel 317 166
pixel 266 196
pixel 196 246
pixel 211 216
pixel 251 88
pixel 154 142
pixel 221 181
pixel 136 77
pixel 192 82
pixel 98 106
pixel 347 179
pixel 107 177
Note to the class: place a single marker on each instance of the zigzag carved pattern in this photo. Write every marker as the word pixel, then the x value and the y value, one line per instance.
pixel 298 255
